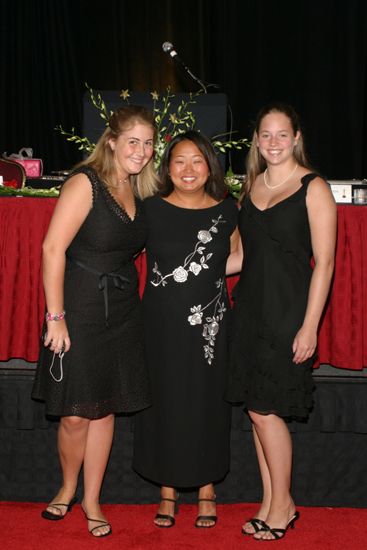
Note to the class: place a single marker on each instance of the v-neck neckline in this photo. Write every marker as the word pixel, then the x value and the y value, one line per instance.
pixel 121 208
pixel 277 203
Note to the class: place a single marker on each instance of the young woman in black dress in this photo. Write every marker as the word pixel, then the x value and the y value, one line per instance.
pixel 92 364
pixel 182 441
pixel 287 215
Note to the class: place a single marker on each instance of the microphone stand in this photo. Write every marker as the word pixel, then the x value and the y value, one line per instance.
pixel 173 54
pixel 195 78
pixel 169 48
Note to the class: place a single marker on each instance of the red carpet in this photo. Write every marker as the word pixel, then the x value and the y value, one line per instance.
pixel 21 527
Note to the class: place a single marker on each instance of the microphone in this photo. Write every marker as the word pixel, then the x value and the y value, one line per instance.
pixel 169 48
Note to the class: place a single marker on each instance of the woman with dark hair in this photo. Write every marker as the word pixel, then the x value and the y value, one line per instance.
pixel 287 215
pixel 91 365
pixel 182 441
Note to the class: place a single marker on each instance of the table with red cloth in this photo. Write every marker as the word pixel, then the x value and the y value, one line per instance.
pixel 23 225
pixel 343 329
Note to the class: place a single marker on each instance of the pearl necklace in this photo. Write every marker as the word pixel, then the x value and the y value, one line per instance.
pixel 120 183
pixel 282 182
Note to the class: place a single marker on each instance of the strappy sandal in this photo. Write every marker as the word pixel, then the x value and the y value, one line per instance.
pixel 102 523
pixel 167 517
pixel 200 518
pixel 277 532
pixel 257 524
pixel 46 514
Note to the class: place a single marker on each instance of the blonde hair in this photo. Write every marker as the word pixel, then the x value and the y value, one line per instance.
pixel 255 163
pixel 145 183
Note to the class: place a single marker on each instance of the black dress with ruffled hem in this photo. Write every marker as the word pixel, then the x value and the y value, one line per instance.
pixel 270 304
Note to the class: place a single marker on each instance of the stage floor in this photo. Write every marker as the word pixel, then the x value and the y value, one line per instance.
pixel 330 449
pixel 323 371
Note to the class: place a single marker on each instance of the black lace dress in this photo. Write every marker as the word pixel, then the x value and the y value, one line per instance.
pixel 183 439
pixel 270 304
pixel 104 370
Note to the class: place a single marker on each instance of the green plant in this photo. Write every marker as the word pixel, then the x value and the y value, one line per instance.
pixel 234 182
pixel 169 123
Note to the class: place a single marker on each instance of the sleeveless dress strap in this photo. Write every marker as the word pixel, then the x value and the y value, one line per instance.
pixel 308 178
pixel 91 175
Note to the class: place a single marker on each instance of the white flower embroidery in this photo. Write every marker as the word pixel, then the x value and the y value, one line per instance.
pixel 204 236
pixel 195 319
pixel 180 274
pixel 211 327
pixel 195 268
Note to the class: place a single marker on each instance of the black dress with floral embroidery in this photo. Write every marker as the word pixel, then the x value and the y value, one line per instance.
pixel 104 371
pixel 183 439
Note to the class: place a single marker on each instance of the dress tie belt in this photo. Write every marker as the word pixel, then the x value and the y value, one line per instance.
pixel 117 279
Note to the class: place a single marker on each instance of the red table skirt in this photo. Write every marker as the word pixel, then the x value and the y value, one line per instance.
pixel 24 222
pixel 23 225
pixel 343 331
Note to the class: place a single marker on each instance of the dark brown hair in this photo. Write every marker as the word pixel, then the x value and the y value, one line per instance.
pixel 215 185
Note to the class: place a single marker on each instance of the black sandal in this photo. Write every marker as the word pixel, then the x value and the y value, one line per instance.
pixel 277 532
pixel 206 518
pixel 46 514
pixel 102 523
pixel 257 524
pixel 167 517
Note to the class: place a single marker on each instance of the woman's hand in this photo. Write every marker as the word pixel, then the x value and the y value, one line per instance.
pixel 57 336
pixel 304 344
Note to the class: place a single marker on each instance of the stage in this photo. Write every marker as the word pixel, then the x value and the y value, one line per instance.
pixel 329 450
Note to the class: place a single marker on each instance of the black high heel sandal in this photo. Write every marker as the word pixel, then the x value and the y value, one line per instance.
pixel 102 523
pixel 46 514
pixel 257 524
pixel 206 518
pixel 279 533
pixel 167 517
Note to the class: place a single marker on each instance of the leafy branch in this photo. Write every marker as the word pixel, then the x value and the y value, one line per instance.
pixel 99 104
pixel 169 123
pixel 84 144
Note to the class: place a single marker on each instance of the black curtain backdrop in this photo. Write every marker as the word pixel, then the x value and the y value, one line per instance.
pixel 310 53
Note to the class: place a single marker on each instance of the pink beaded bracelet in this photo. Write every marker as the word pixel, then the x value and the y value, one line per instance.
pixel 55 316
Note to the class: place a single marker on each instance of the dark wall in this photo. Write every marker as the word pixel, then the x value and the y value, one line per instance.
pixel 310 53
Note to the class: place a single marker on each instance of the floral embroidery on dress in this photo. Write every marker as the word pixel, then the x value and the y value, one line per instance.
pixel 181 273
pixel 211 326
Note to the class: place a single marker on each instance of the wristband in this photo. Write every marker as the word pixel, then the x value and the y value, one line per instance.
pixel 55 316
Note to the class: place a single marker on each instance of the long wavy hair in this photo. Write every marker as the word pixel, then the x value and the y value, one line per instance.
pixel 214 186
pixel 255 162
pixel 101 159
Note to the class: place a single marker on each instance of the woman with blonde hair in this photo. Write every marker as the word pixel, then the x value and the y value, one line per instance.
pixel 91 365
pixel 287 215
